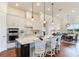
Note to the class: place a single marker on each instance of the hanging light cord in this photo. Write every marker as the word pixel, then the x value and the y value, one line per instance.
pixel 44 11
pixel 32 9
pixel 68 17
pixel 52 11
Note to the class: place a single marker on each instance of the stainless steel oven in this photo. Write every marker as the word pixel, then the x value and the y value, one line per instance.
pixel 13 33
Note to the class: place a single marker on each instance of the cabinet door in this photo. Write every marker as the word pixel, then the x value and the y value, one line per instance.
pixel 25 50
pixel 11 20
pixel 15 21
pixel 3 27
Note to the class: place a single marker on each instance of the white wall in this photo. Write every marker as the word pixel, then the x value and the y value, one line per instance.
pixel 3 26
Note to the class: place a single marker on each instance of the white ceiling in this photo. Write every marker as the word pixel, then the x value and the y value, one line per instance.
pixel 65 6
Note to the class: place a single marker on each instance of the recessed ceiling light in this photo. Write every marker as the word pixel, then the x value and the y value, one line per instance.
pixel 38 4
pixel 17 4
pixel 31 9
pixel 73 11
pixel 49 9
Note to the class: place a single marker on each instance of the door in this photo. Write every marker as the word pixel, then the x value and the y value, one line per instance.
pixel 3 26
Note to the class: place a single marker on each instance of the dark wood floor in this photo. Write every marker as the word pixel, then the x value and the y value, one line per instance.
pixel 67 50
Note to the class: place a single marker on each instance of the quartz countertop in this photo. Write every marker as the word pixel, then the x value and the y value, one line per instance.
pixel 27 39
pixel 30 39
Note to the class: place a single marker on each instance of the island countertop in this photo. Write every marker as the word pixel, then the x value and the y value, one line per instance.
pixel 27 39
pixel 30 39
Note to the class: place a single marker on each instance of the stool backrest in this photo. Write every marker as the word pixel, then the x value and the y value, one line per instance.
pixel 40 46
pixel 59 39
pixel 53 42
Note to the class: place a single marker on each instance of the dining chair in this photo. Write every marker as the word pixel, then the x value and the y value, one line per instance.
pixel 40 46
pixel 52 46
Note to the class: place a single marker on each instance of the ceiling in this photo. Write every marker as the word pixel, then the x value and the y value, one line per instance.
pixel 65 7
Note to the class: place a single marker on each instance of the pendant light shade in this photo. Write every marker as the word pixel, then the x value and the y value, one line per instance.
pixel 44 22
pixel 32 12
pixel 32 19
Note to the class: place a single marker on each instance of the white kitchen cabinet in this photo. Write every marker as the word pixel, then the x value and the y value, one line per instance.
pixel 15 11
pixel 37 25
pixel 15 21
pixel 3 27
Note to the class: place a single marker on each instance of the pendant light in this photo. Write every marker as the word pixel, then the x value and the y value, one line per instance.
pixel 52 11
pixel 44 15
pixel 32 12
pixel 44 22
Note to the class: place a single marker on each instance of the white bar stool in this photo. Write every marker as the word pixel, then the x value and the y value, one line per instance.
pixel 58 43
pixel 52 46
pixel 40 46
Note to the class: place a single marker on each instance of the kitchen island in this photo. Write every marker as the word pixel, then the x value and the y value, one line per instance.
pixel 25 45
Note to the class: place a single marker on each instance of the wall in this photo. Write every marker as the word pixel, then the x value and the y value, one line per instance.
pixel 3 26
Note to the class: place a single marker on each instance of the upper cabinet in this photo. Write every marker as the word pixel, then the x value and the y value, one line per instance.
pixel 19 18
pixel 15 11
pixel 15 18
pixel 15 21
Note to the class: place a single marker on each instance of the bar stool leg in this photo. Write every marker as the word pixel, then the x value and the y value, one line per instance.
pixel 43 54
pixel 51 53
pixel 33 54
pixel 40 55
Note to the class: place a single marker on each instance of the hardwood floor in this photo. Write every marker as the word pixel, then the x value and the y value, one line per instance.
pixel 9 53
pixel 66 50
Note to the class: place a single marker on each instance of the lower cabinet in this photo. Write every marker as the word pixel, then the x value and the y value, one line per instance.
pixel 23 50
